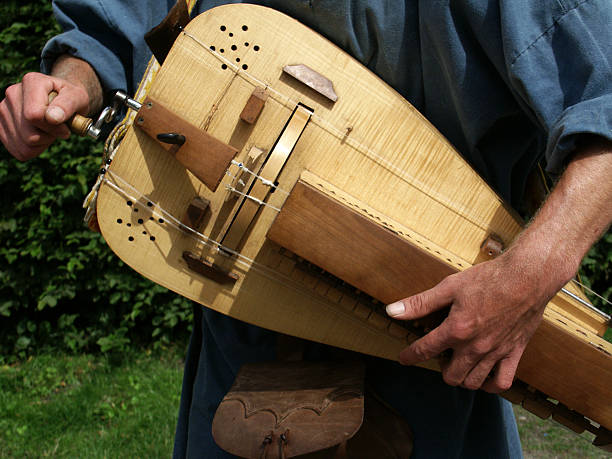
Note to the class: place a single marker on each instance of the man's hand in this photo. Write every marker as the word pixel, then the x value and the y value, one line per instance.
pixel 29 123
pixel 496 306
pixel 495 309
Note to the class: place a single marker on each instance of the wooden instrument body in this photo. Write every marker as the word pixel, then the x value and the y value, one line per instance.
pixel 371 146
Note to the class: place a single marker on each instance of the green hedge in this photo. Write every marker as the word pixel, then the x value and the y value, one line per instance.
pixel 60 286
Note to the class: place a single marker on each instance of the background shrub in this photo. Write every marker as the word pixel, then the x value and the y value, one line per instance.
pixel 60 285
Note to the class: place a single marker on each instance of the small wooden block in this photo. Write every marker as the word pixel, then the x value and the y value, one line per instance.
pixel 570 419
pixel 207 269
pixel 540 407
pixel 286 266
pixel 334 294
pixel 515 394
pixel 254 106
pixel 322 287
pixel 196 212
pixel 362 311
pixel 348 302
pixel 603 439
pixel 492 246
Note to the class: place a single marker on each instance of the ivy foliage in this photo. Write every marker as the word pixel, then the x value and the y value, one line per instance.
pixel 60 285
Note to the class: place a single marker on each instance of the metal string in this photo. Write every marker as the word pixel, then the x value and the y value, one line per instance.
pixel 247 263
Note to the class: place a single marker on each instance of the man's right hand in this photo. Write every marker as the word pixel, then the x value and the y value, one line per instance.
pixel 29 123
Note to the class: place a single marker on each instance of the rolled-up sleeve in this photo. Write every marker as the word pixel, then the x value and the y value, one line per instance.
pixel 107 34
pixel 560 67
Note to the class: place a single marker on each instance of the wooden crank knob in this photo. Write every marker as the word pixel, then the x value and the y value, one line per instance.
pixel 78 124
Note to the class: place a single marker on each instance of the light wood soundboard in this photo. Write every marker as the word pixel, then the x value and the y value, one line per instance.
pixel 369 152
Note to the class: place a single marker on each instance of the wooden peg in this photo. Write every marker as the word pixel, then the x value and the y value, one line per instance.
pixel 492 246
pixel 538 405
pixel 196 212
pixel 254 105
pixel 603 439
pixel 570 419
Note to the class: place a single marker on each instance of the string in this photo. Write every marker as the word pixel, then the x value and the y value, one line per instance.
pixel 263 180
pixel 247 263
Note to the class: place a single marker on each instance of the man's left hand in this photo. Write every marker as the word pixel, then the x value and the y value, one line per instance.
pixel 494 311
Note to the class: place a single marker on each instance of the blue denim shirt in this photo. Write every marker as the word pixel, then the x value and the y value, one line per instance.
pixel 508 82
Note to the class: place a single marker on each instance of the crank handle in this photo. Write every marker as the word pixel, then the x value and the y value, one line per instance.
pixel 83 126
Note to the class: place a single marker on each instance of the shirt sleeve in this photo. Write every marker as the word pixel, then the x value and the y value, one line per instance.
pixel 559 64
pixel 108 34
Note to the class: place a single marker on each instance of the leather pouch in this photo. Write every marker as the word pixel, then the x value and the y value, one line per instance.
pixel 287 409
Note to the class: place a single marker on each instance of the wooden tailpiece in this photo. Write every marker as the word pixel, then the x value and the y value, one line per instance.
pixel 205 156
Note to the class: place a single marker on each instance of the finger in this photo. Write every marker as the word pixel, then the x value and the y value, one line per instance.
pixel 459 367
pixel 422 304
pixel 70 99
pixel 35 89
pixel 429 346
pixel 479 374
pixel 503 377
pixel 50 116
pixel 23 143
pixel 28 108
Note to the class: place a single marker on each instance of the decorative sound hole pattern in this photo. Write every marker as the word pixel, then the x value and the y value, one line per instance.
pixel 137 222
pixel 236 45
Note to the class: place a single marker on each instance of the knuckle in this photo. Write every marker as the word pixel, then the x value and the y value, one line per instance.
pixel 31 114
pixel 461 330
pixel 32 140
pixel 420 353
pixel 11 91
pixel 415 304
pixel 31 77
pixel 451 283
pixel 481 348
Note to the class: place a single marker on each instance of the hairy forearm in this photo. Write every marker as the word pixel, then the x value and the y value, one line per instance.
pixel 79 72
pixel 574 216
pixel 496 306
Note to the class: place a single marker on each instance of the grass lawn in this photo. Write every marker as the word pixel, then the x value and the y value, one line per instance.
pixel 94 406
pixel 90 406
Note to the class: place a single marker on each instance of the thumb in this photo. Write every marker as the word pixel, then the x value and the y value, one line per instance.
pixel 422 304
pixel 65 103
pixel 55 114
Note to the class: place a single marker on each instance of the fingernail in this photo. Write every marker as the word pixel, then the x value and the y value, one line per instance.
pixel 395 309
pixel 56 114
